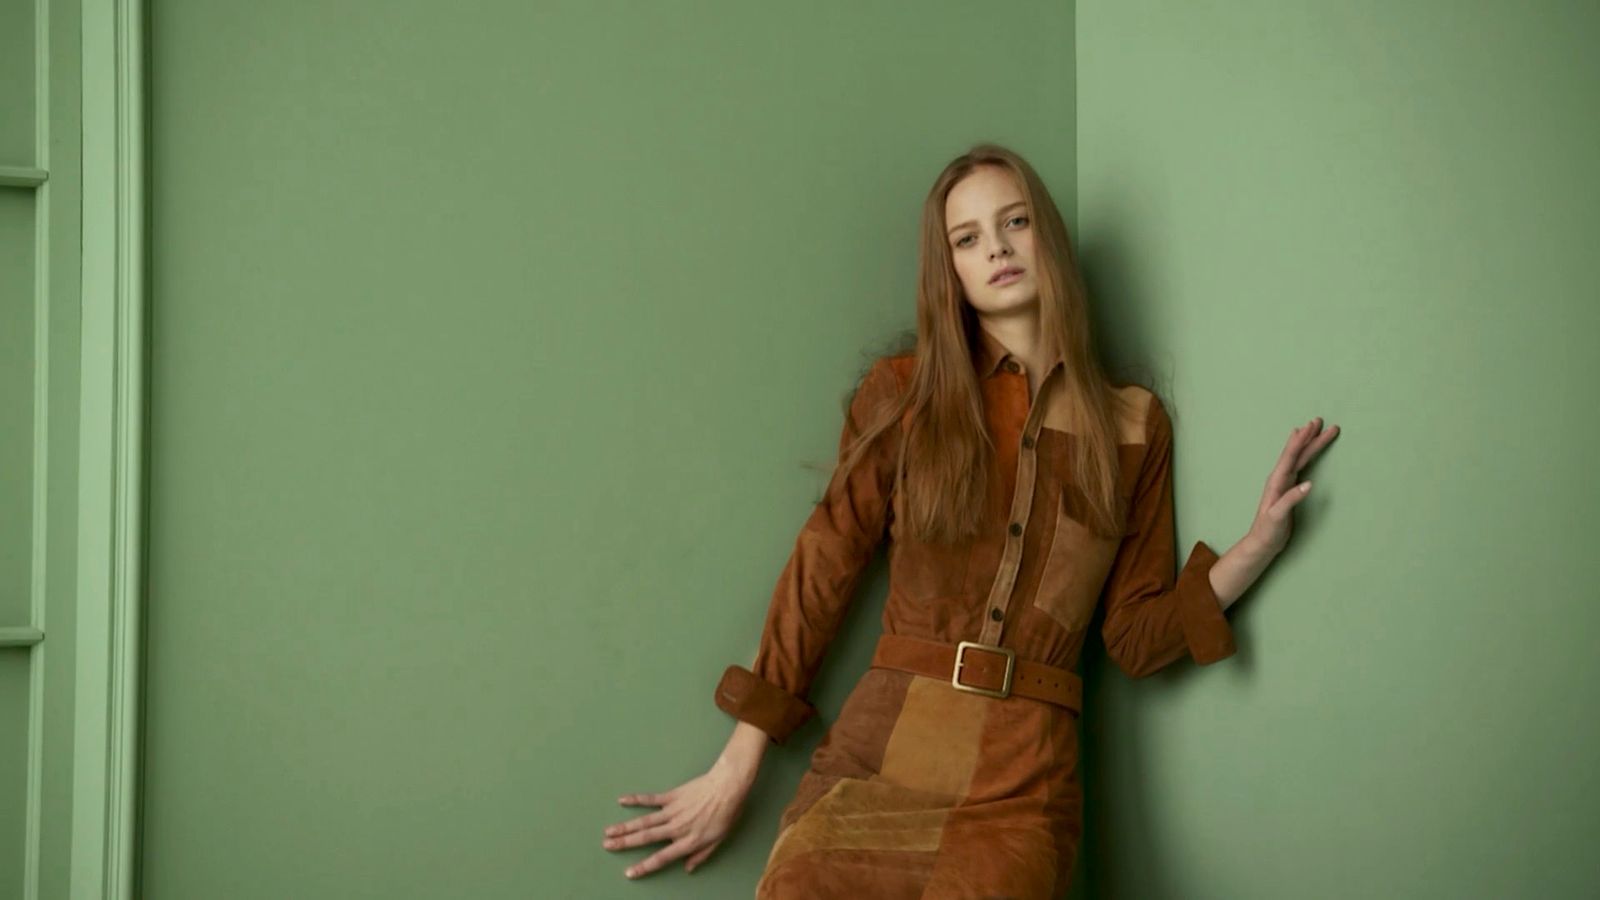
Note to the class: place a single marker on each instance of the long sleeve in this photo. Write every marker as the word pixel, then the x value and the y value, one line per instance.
pixel 819 580
pixel 1152 618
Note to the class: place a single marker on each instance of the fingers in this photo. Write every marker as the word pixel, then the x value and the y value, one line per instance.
pixel 659 858
pixel 1290 498
pixel 641 837
pixel 634 825
pixel 700 856
pixel 644 799
pixel 1284 469
pixel 661 799
pixel 695 819
pixel 1314 447
pixel 648 829
pixel 1303 445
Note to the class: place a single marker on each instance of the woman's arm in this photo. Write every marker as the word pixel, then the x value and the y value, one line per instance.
pixel 1269 533
pixel 1237 569
pixel 744 751
pixel 768 698
pixel 1154 617
pixel 817 584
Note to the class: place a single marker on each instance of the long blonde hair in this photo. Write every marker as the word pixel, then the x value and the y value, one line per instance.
pixel 946 450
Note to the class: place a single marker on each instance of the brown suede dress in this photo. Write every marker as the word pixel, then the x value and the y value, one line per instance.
pixel 920 790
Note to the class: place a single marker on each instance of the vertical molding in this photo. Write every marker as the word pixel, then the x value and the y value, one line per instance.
pixel 110 498
pixel 39 529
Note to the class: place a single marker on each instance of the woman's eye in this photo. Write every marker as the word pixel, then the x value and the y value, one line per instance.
pixel 963 241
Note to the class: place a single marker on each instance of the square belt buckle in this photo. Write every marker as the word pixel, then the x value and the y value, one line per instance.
pixel 955 673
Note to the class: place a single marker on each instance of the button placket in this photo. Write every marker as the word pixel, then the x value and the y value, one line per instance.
pixel 1005 579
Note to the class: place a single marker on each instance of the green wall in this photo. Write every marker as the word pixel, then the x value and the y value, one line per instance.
pixel 1384 214
pixel 489 343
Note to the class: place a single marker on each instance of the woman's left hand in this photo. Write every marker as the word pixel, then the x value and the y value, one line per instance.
pixel 1274 516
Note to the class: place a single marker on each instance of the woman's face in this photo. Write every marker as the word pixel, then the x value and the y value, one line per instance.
pixel 989 230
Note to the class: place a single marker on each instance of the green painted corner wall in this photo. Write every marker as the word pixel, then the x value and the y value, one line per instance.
pixel 1384 214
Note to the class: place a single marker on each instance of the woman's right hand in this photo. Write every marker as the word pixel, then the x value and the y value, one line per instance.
pixel 695 816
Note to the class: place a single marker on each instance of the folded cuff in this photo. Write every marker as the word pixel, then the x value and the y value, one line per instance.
pixel 1205 628
pixel 750 698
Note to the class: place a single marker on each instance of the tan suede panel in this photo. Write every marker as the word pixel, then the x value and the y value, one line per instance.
pixel 1061 415
pixel 812 788
pixel 934 745
pixel 864 874
pixel 864 814
pixel 1075 565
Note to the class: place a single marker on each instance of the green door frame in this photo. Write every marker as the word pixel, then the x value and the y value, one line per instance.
pixel 28 636
pixel 101 648
pixel 111 452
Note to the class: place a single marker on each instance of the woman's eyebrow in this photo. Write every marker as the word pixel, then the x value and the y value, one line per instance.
pixel 997 212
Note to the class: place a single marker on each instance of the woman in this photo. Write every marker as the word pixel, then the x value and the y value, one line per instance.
pixel 1020 490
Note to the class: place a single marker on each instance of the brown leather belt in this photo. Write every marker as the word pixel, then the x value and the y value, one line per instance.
pixel 980 669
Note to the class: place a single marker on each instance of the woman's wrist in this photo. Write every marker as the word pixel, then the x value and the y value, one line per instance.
pixel 744 751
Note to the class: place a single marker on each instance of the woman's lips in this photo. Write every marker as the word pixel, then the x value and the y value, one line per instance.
pixel 1008 277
